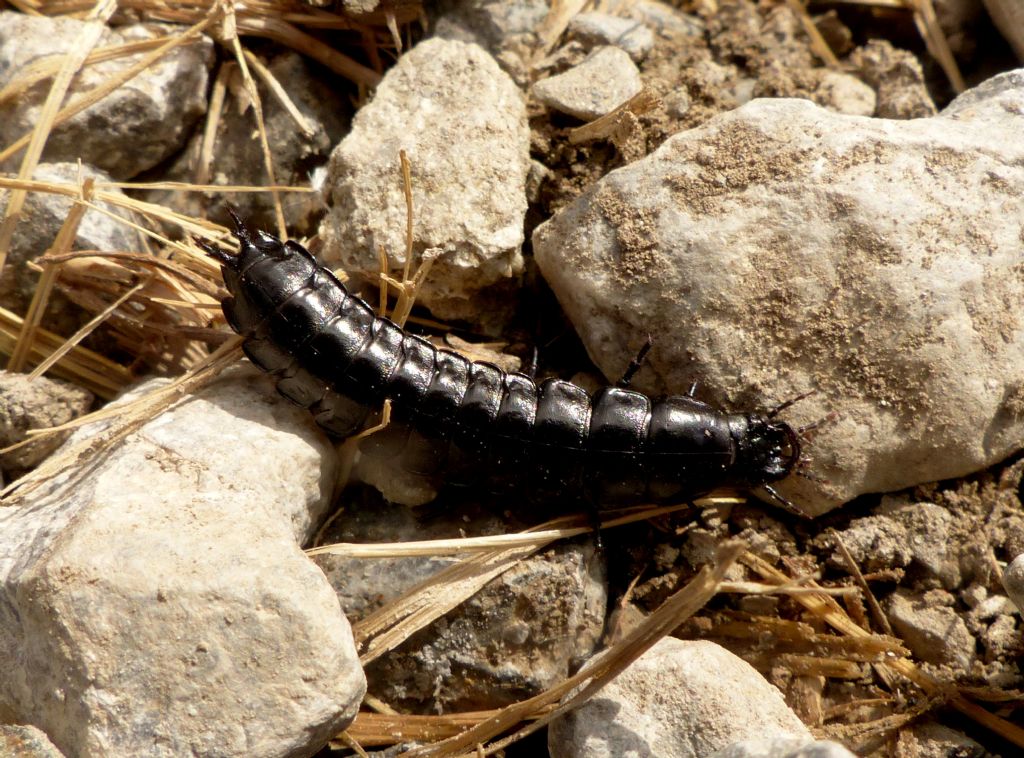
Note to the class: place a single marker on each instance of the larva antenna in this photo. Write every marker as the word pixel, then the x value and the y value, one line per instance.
pixel 215 251
pixel 789 403
pixel 787 505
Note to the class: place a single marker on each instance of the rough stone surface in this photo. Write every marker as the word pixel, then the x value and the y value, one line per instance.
pixel 933 632
pixel 766 255
pixel 666 19
pixel 462 123
pixel 784 748
pixel 934 740
pixel 596 28
pixel 508 31
pixel 603 81
pixel 238 155
pixel 931 538
pixel 157 603
pixel 680 699
pixel 876 543
pixel 17 741
pixel 130 130
pixel 846 94
pixel 36 404
pixel 523 632
pixel 41 218
pixel 897 78
pixel 1013 582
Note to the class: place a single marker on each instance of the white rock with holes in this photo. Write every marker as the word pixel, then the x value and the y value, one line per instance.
pixel 782 247
pixel 158 603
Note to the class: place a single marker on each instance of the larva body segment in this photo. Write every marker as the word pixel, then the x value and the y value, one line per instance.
pixel 470 422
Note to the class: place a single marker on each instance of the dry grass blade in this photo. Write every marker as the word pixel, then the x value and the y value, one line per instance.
pixel 85 331
pixel 73 460
pixel 602 669
pixel 423 604
pixel 1008 16
pixel 613 123
pixel 555 23
pixel 231 33
pixel 101 376
pixel 381 729
pixel 935 39
pixel 279 92
pixel 96 94
pixel 818 44
pixel 280 31
pixel 41 295
pixel 831 613
pixel 48 118
pixel 387 628
pixel 47 68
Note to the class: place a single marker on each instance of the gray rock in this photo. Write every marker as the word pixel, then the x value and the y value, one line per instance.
pixel 130 130
pixel 41 218
pixel 786 747
pixel 37 404
pixel 603 81
pixel 897 78
pixel 764 254
pixel 932 540
pixel 157 603
pixel 595 28
pixel 507 30
pixel 462 122
pixel 1000 640
pixel 933 632
pixel 238 154
pixel 875 543
pixel 1013 582
pixel 523 632
pixel 680 699
pixel 18 741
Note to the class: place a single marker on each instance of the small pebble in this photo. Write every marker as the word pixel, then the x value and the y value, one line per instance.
pixel 604 29
pixel 603 81
pixel 934 633
pixel 1013 582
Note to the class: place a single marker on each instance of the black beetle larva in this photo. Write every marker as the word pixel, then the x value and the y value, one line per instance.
pixel 472 422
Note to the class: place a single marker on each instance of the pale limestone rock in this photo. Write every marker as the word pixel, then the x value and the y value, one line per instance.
pixel 462 123
pixel 603 81
pixel 782 247
pixel 157 602
pixel 680 699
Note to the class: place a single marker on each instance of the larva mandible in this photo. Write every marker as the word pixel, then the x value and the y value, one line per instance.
pixel 472 422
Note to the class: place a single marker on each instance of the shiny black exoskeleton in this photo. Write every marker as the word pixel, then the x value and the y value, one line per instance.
pixel 471 422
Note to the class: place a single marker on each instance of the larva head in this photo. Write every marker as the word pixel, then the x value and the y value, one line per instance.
pixel 767 450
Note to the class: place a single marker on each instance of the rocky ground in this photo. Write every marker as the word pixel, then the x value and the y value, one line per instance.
pixel 782 201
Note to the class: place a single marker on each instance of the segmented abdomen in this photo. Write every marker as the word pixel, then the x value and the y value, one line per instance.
pixel 469 421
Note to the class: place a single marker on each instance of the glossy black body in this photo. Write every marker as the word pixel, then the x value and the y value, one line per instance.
pixel 470 422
